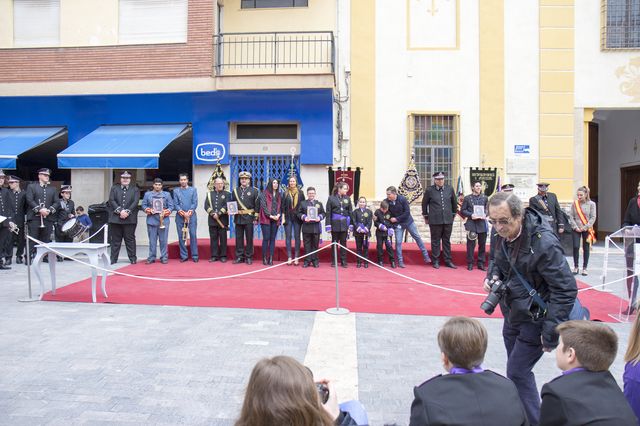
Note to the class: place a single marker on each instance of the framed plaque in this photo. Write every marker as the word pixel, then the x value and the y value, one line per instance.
pixel 479 211
pixel 157 205
pixel 232 208
pixel 312 213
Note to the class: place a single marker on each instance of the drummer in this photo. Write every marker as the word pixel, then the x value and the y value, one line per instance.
pixel 65 210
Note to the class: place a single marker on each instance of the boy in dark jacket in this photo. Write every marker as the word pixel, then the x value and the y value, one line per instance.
pixel 384 233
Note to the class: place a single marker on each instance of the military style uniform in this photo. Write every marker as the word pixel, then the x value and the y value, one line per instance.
pixel 477 226
pixel 65 210
pixel 382 222
pixel 185 199
pixel 339 209
pixel 216 203
pixel 439 207
pixel 40 196
pixel 5 232
pixel 18 204
pixel 157 234
pixel 362 220
pixel 310 230
pixel 547 204
pixel 248 212
pixel 123 198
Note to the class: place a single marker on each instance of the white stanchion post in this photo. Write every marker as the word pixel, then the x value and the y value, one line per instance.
pixel 27 259
pixel 337 310
pixel 106 233
pixel 605 265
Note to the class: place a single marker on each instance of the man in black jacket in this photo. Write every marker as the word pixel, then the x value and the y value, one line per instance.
pixel 402 220
pixel 439 208
pixel 41 198
pixel 547 204
pixel 18 205
pixel 123 217
pixel 247 197
pixel 5 225
pixel 526 241
pixel 215 205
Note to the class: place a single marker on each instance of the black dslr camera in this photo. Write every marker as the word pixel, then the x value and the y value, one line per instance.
pixel 323 391
pixel 498 289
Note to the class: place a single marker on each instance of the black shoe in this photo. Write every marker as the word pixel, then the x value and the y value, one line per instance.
pixel 358 264
pixel 150 261
pixel 133 261
pixel 183 260
pixel 248 261
pixel 45 259
pixel 164 261
pixel 435 264
pixel 213 259
pixel 264 260
pixel 450 265
pixel 238 260
pixel 113 262
pixel 393 264
pixel 316 264
pixel 60 258
pixel 470 267
pixel 270 260
pixel 7 262
pixel 366 265
pixel 195 260
pixel 481 267
pixel 223 259
pixel 19 260
pixel 305 264
pixel 344 264
pixel 4 267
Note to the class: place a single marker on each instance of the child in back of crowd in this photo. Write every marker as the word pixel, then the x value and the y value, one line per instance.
pixel 384 233
pixel 469 394
pixel 84 219
pixel 586 392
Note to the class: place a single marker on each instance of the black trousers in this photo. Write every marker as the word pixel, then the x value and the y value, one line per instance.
pixel 118 233
pixel 42 234
pixel 441 233
pixel 576 248
pixel 482 248
pixel 381 243
pixel 5 239
pixel 218 242
pixel 360 248
pixel 244 232
pixel 311 243
pixel 340 237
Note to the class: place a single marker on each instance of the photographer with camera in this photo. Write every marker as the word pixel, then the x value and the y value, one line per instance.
pixel 528 253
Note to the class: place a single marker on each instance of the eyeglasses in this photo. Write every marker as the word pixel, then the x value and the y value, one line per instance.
pixel 501 222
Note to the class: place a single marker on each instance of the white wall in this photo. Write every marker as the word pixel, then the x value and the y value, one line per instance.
pixel 617 133
pixel 422 81
pixel 601 76
pixel 521 86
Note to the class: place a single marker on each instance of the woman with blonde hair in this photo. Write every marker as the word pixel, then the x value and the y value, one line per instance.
pixel 631 376
pixel 581 219
pixel 281 391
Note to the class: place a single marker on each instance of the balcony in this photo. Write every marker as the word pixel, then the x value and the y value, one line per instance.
pixel 274 53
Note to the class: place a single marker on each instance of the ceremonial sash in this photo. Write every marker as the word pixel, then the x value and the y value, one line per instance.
pixel 244 209
pixel 211 207
pixel 592 235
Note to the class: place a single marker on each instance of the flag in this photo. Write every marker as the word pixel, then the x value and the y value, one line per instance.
pixel 460 193
pixel 498 185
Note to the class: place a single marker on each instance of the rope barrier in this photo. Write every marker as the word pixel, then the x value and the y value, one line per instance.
pixel 93 235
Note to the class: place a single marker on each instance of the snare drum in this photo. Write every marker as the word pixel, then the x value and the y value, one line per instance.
pixel 73 228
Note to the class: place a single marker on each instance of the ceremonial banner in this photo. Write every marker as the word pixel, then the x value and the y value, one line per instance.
pixel 410 186
pixel 488 177
pixel 346 176
pixel 217 173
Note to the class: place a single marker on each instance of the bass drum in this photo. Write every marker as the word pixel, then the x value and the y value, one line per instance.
pixel 73 228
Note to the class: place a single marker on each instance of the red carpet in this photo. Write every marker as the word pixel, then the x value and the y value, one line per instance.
pixel 295 288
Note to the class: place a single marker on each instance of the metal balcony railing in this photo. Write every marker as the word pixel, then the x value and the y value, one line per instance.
pixel 300 52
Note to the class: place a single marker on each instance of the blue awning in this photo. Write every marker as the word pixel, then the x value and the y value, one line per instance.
pixel 120 147
pixel 18 140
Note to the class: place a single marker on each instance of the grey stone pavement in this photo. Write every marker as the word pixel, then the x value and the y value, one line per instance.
pixel 80 363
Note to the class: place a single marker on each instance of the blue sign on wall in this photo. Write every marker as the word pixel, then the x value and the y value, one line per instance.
pixel 209 113
pixel 522 149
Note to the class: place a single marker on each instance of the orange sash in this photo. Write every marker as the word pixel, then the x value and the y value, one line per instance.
pixel 592 235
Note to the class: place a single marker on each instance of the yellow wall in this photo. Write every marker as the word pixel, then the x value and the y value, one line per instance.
pixel 320 15
pixel 6 23
pixel 556 96
pixel 363 92
pixel 492 82
pixel 88 22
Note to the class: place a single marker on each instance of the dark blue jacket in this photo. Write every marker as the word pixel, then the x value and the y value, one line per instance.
pixel 401 211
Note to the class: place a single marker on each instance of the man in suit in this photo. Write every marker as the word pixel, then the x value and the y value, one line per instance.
pixel 216 207
pixel 439 208
pixel 469 394
pixel 18 199
pixel 586 392
pixel 41 198
pixel 157 204
pixel 123 217
pixel 631 218
pixel 7 224
pixel 247 197
pixel 311 228
pixel 185 202
pixel 547 203
pixel 476 224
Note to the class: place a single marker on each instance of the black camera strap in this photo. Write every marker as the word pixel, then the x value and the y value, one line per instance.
pixel 512 260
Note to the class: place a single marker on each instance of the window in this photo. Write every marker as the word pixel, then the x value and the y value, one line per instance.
pixel 267 131
pixel 153 21
pixel 258 4
pixel 621 24
pixel 36 23
pixel 434 140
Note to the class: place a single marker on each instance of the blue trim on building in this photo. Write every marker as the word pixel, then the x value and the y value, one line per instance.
pixel 209 113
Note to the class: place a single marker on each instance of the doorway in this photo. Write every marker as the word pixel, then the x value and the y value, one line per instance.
pixel 629 178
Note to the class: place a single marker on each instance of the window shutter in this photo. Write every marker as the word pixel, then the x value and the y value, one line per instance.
pixel 36 23
pixel 153 21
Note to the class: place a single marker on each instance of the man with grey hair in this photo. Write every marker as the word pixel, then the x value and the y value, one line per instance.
pixel 216 207
pixel 528 253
